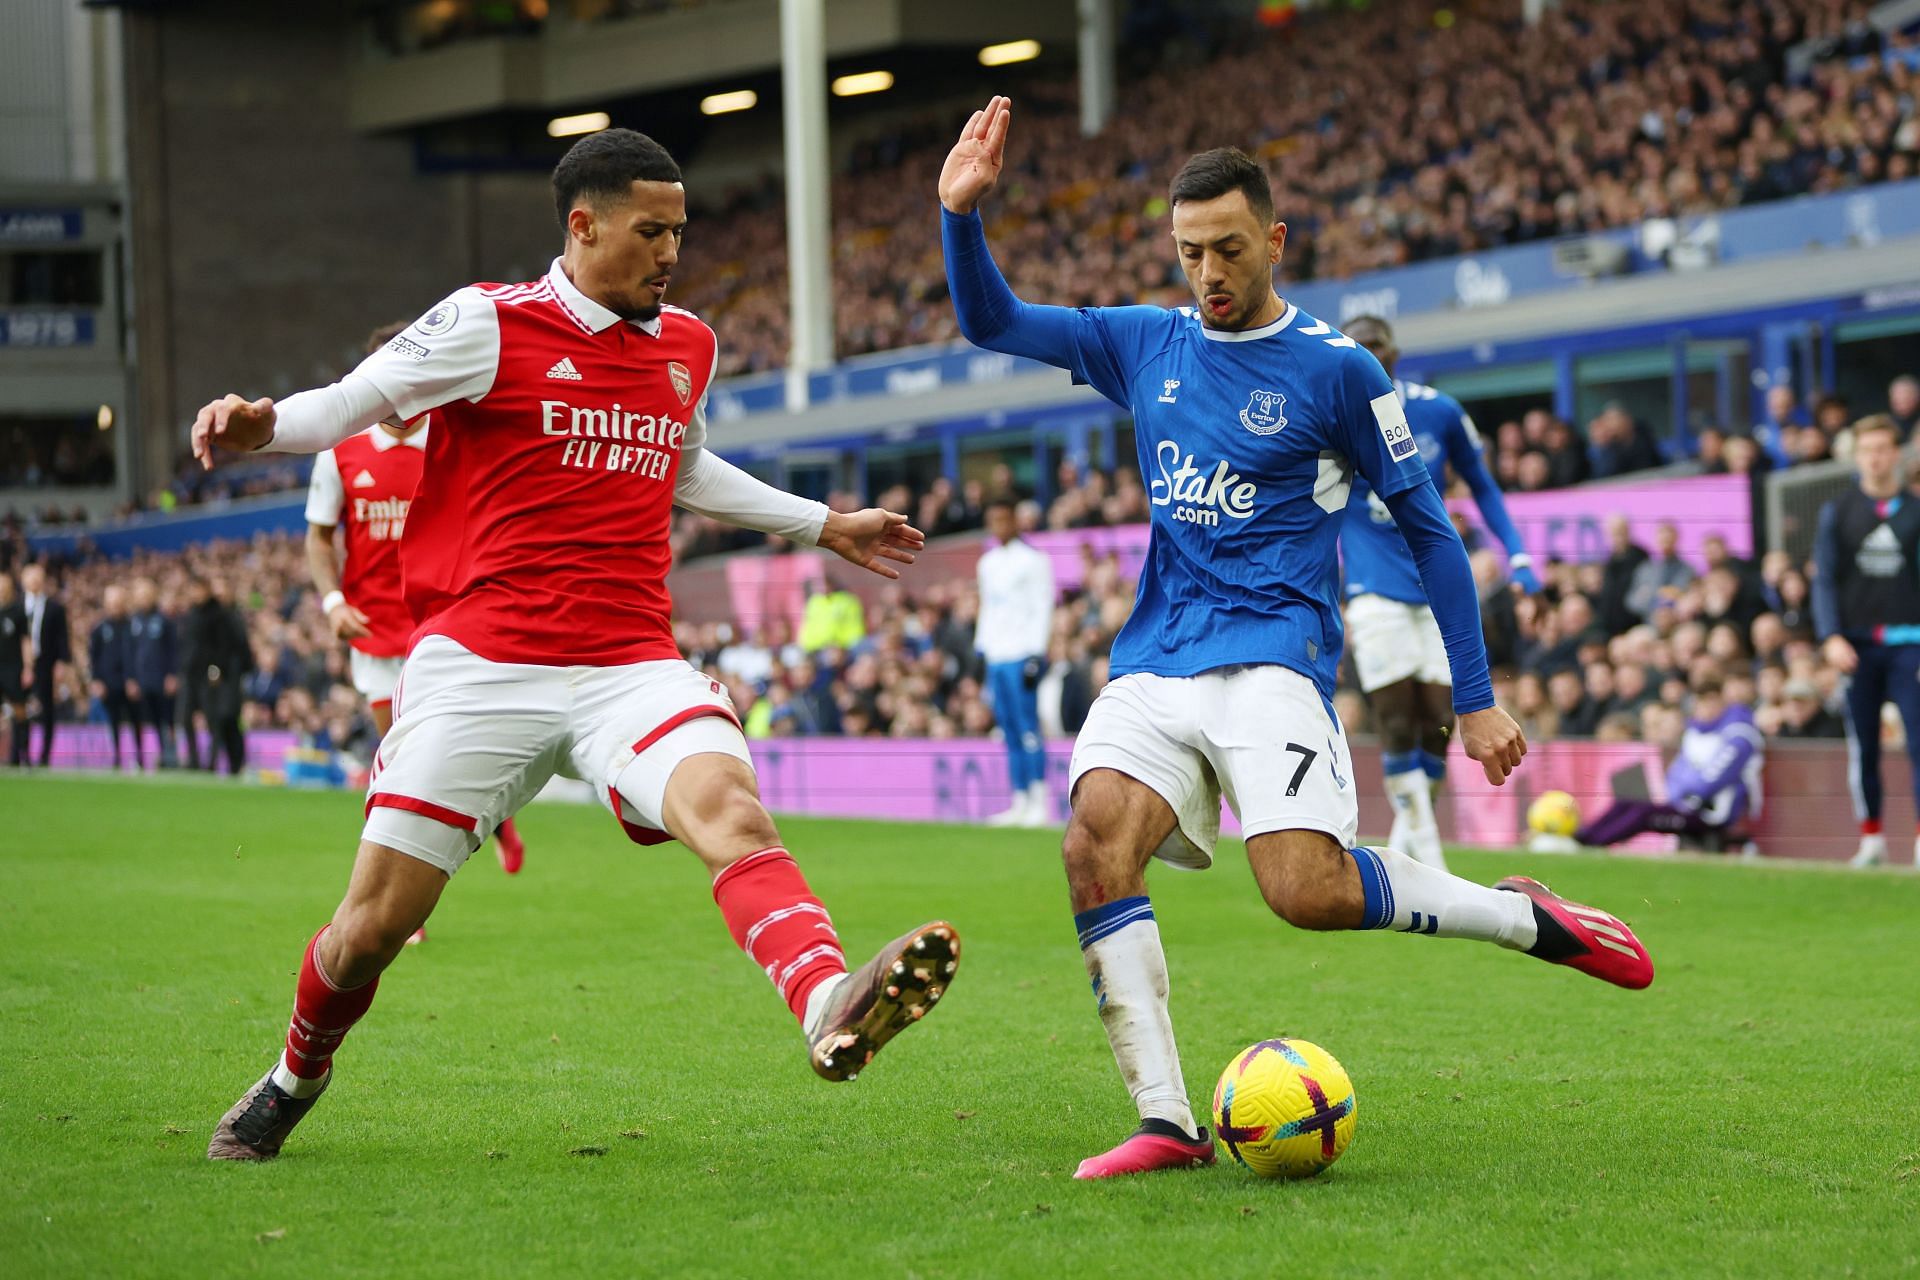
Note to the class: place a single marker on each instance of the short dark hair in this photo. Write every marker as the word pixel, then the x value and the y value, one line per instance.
pixel 1358 323
pixel 1214 173
pixel 605 165
pixel 384 334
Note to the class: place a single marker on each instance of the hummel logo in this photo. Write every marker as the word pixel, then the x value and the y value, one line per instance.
pixel 565 370
pixel 364 480
pixel 1169 392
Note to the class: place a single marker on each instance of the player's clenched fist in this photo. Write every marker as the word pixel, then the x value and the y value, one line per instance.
pixel 233 423
pixel 1492 738
pixel 973 166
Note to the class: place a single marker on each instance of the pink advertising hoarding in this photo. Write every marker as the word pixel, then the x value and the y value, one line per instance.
pixel 1570 524
pixel 1565 524
pixel 965 780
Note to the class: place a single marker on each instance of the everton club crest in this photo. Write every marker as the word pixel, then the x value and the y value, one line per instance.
pixel 1263 415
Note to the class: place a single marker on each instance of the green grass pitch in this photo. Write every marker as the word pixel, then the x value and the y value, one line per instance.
pixel 579 1075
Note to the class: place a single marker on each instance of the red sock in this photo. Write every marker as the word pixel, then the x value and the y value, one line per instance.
pixel 780 924
pixel 1870 827
pixel 322 1016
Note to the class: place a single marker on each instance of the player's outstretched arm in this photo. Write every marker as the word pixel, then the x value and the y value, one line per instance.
pixel 308 422
pixel 1470 464
pixel 713 487
pixel 1487 733
pixel 990 315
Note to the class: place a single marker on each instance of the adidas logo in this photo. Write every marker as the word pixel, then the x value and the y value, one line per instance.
pixel 1880 555
pixel 364 480
pixel 564 369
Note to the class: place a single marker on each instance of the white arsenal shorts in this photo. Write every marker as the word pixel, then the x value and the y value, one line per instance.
pixel 375 678
pixel 472 741
pixel 1262 736
pixel 1393 641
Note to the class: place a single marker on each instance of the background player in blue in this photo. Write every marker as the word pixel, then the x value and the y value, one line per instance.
pixel 1397 652
pixel 1251 418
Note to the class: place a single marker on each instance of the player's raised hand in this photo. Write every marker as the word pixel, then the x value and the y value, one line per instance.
pixel 871 538
pixel 232 423
pixel 973 166
pixel 1492 738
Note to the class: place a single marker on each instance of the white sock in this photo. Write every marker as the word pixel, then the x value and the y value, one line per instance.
pixel 1121 945
pixel 1411 897
pixel 1414 826
pixel 817 1004
pixel 298 1086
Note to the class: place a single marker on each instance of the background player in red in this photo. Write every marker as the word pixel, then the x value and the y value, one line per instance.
pixel 569 419
pixel 364 485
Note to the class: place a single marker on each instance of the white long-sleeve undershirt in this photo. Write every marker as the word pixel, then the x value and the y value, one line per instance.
pixel 711 486
pixel 312 421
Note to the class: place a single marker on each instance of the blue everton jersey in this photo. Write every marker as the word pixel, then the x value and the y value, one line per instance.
pixel 1249 445
pixel 1378 561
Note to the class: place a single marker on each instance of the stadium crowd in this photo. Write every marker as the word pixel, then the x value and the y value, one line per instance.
pixel 1609 650
pixel 1606 113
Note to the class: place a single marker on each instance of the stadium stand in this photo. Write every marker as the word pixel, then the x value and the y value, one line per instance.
pixel 1606 113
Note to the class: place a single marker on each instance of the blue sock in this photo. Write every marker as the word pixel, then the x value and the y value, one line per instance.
pixel 1436 766
pixel 1392 762
pixel 1375 888
pixel 1109 918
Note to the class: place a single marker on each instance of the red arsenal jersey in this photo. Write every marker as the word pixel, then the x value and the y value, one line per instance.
pixel 540 534
pixel 363 486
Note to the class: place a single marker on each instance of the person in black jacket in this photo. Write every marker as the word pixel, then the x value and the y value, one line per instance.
pixel 156 666
pixel 16 668
pixel 216 658
pixel 1624 555
pixel 52 650
pixel 110 660
pixel 1866 608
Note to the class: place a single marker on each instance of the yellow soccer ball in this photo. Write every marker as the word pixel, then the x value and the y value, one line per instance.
pixel 1284 1108
pixel 1555 813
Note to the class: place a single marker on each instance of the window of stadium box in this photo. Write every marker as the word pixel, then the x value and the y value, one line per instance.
pixel 52 278
pixel 811 474
pixel 1870 353
pixel 982 456
pixel 58 447
pixel 1497 395
pixel 1641 382
pixel 914 465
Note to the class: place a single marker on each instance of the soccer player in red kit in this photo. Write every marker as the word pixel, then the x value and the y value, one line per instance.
pixel 364 485
pixel 569 416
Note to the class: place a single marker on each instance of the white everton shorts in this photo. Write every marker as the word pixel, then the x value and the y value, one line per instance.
pixel 1261 735
pixel 1394 641
pixel 375 678
pixel 472 741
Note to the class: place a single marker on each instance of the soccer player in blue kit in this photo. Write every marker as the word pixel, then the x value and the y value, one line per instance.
pixel 1398 654
pixel 1251 419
